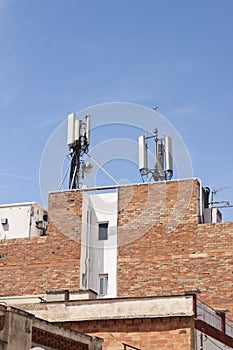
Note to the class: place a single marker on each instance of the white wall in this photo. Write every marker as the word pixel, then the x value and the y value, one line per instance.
pixel 91 257
pixel 100 255
pixel 20 221
pixel 38 213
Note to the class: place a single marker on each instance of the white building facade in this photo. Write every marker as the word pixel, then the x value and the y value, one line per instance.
pixel 99 243
pixel 22 220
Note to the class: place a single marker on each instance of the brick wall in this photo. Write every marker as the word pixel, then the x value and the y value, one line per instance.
pixel 214 266
pixel 163 250
pixel 32 266
pixel 41 337
pixel 147 334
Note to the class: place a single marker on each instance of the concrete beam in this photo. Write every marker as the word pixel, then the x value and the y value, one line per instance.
pixel 101 309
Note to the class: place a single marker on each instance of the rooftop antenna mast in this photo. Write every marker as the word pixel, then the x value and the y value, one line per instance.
pixel 163 167
pixel 219 204
pixel 157 174
pixel 78 141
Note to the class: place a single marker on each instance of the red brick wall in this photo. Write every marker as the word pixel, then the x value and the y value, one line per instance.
pixel 162 248
pixel 40 337
pixel 215 264
pixel 32 266
pixel 160 255
pixel 147 334
pixel 163 206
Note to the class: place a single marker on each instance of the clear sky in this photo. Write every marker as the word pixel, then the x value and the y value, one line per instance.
pixel 59 56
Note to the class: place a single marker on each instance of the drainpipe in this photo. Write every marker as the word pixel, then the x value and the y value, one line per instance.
pixel 201 341
pixel 201 202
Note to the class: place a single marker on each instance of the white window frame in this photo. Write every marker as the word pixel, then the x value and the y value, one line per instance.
pixel 103 289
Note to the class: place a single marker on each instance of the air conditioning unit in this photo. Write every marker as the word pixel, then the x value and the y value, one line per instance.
pixel 42 225
pixel 4 221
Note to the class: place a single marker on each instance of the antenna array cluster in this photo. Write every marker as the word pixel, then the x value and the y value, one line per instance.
pixel 78 141
pixel 163 167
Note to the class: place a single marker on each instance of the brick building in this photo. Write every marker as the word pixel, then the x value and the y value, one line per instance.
pixel 134 241
pixel 20 330
pixel 142 323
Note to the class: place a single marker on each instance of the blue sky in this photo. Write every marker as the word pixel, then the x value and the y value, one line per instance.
pixel 62 56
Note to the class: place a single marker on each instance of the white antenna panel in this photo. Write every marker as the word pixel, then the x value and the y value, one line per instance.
pixel 168 163
pixel 77 130
pixel 71 129
pixel 87 117
pixel 160 156
pixel 142 153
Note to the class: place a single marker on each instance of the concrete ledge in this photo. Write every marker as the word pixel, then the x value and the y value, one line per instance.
pixel 102 309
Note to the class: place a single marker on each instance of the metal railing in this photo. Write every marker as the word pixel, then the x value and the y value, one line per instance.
pixel 126 346
pixel 208 315
pixel 214 318
pixel 229 327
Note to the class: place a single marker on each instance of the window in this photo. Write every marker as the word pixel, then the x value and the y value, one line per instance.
pixel 84 280
pixel 103 231
pixel 103 284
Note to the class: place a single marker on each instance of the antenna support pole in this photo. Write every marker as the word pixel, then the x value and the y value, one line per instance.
pixel 74 168
pixel 78 140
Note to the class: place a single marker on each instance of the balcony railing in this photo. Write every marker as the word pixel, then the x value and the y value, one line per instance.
pixel 208 315
pixel 229 327
pixel 215 318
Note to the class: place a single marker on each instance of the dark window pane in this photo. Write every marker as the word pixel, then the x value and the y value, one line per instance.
pixel 102 289
pixel 103 231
